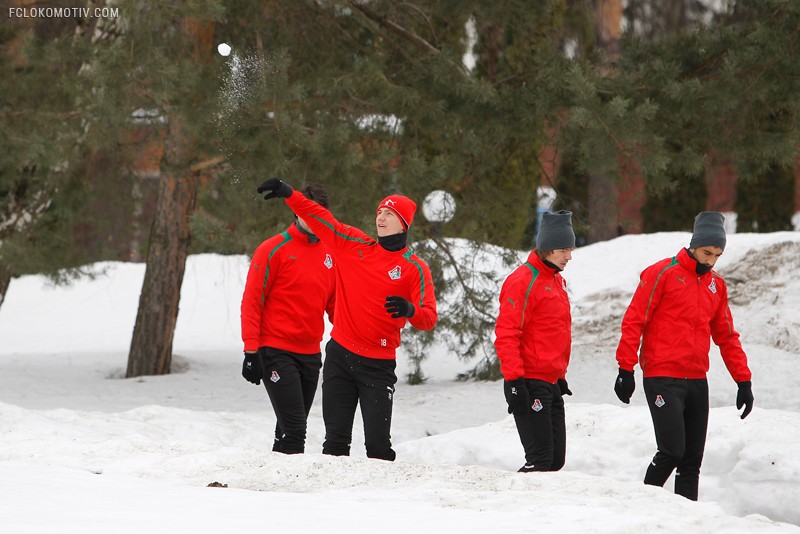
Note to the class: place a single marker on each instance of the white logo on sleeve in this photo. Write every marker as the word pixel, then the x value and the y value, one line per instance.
pixel 395 273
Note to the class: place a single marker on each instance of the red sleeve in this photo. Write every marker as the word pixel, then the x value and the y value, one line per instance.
pixel 324 225
pixel 256 289
pixel 727 338
pixel 643 304
pixel 508 329
pixel 423 299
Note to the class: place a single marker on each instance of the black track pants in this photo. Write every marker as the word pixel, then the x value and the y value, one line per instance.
pixel 291 381
pixel 542 430
pixel 679 409
pixel 347 380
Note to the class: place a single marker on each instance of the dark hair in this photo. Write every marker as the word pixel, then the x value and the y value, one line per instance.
pixel 317 193
pixel 543 253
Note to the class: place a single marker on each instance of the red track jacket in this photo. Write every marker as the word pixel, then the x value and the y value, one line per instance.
pixel 674 313
pixel 289 286
pixel 534 326
pixel 367 273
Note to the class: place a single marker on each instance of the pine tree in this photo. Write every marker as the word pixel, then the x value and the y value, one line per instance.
pixel 43 114
pixel 157 74
pixel 727 87
pixel 373 98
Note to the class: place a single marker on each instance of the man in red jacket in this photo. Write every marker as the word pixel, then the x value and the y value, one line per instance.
pixel 533 342
pixel 380 285
pixel 679 305
pixel 290 285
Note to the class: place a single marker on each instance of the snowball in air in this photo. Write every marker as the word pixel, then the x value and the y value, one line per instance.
pixel 224 49
pixel 439 206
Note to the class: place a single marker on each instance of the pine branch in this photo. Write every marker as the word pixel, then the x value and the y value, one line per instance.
pixel 467 289
pixel 394 28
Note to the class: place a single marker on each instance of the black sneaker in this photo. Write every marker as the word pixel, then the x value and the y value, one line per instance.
pixel 527 468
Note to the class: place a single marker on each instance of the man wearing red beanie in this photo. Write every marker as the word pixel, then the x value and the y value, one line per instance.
pixel 380 285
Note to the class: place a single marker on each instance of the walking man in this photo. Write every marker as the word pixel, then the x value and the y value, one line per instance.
pixel 680 304
pixel 533 342
pixel 289 287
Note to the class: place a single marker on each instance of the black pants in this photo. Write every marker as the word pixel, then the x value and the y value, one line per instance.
pixel 679 408
pixel 349 379
pixel 542 430
pixel 291 381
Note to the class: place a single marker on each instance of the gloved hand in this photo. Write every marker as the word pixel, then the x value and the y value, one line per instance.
pixel 562 385
pixel 277 189
pixel 517 397
pixel 624 385
pixel 745 398
pixel 251 368
pixel 398 307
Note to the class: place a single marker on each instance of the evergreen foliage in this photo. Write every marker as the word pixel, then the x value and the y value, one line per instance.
pixel 373 98
pixel 43 160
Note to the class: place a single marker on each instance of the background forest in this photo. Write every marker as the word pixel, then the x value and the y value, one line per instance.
pixel 126 136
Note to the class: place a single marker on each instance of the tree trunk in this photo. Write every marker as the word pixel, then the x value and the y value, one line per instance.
pixel 151 346
pixel 170 235
pixel 603 207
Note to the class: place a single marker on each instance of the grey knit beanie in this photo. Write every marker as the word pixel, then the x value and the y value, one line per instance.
pixel 708 230
pixel 555 232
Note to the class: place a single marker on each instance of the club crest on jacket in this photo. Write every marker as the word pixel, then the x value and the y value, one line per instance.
pixel 328 261
pixel 713 285
pixel 395 273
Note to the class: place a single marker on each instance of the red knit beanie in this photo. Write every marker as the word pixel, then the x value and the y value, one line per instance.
pixel 404 207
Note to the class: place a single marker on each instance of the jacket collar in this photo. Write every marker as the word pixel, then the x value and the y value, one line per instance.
pixel 296 233
pixel 689 263
pixel 537 262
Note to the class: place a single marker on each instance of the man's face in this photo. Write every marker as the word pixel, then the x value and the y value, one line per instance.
pixel 388 223
pixel 560 257
pixel 707 255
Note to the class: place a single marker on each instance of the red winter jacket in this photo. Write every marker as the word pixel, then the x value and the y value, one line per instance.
pixel 289 286
pixel 674 313
pixel 534 326
pixel 367 273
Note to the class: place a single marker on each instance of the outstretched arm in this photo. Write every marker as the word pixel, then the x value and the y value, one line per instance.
pixel 319 220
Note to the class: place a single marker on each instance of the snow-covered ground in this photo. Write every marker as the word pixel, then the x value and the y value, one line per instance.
pixel 84 450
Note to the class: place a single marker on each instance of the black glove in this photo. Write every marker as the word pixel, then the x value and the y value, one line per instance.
pixel 277 189
pixel 562 385
pixel 398 307
pixel 517 397
pixel 251 368
pixel 745 398
pixel 624 385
